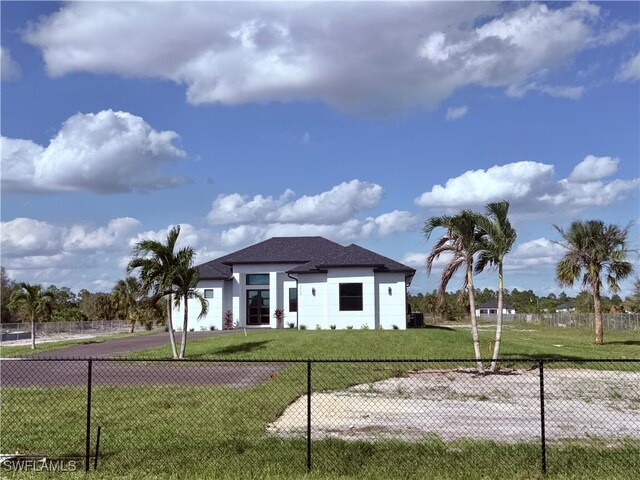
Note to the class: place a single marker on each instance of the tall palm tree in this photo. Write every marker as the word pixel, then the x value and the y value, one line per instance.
pixel 497 238
pixel 185 281
pixel 597 249
pixel 461 242
pixel 128 293
pixel 34 300
pixel 158 263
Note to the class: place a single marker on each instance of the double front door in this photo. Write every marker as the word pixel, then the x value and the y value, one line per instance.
pixel 258 307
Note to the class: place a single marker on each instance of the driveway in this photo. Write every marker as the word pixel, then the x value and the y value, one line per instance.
pixel 65 368
pixel 123 346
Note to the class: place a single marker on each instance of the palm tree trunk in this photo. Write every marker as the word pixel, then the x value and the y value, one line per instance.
pixel 474 323
pixel 597 308
pixel 33 332
pixel 185 323
pixel 496 346
pixel 172 336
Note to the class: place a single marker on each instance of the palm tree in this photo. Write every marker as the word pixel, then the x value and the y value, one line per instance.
pixel 497 238
pixel 185 281
pixel 128 293
pixel 158 263
pixel 461 242
pixel 597 249
pixel 34 300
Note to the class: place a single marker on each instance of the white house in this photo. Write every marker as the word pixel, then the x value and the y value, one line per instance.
pixel 313 280
pixel 490 309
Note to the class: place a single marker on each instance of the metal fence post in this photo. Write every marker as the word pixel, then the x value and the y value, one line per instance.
pixel 308 415
pixel 543 439
pixel 87 451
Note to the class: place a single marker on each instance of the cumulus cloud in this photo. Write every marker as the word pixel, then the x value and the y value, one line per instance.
pixel 237 53
pixel 8 67
pixel 455 113
pixel 530 187
pixel 593 168
pixel 630 70
pixel 105 152
pixel 26 237
pixel 348 231
pixel 330 207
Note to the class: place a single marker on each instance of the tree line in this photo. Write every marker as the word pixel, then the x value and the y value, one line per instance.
pixel 455 305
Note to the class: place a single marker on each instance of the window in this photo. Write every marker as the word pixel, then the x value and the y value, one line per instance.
pixel 208 293
pixel 350 297
pixel 492 311
pixel 293 299
pixel 483 311
pixel 258 279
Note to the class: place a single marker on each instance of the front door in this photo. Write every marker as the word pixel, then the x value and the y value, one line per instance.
pixel 258 307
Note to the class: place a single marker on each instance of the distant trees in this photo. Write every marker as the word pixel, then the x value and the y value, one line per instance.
pixel 32 302
pixel 6 287
pixel 594 249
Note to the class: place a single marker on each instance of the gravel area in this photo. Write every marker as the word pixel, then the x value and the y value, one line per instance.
pixel 452 405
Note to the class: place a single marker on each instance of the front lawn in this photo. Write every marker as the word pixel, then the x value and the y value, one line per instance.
pixel 519 340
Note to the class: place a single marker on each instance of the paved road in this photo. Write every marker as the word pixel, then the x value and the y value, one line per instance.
pixel 122 346
pixel 65 370
pixel 62 373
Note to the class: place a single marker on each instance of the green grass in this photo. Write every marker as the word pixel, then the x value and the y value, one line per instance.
pixel 14 351
pixel 221 432
pixel 520 340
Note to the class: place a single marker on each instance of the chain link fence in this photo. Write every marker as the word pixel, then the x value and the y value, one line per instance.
pixel 610 321
pixel 382 419
pixel 20 331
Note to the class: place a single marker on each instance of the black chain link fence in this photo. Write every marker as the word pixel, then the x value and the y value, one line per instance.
pixel 394 419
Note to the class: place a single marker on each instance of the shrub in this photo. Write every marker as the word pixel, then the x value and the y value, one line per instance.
pixel 318 327
pixel 212 328
pixel 279 316
pixel 192 329
pixel 332 327
pixel 291 325
pixel 349 327
pixel 395 327
pixel 203 328
pixel 365 326
pixel 227 320
pixel 303 327
pixel 379 327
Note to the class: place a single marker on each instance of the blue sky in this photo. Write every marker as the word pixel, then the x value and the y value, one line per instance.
pixel 349 120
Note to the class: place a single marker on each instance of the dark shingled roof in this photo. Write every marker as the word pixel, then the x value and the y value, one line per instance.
pixel 316 254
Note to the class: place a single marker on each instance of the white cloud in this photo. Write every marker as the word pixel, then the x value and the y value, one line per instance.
pixel 561 91
pixel 8 67
pixel 530 187
pixel 512 181
pixel 105 152
pixel 330 207
pixel 26 237
pixel 593 168
pixel 455 113
pixel 630 70
pixel 237 53
pixel 536 252
pixel 416 260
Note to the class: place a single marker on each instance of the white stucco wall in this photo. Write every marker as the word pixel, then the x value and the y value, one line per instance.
pixel 383 298
pixel 356 319
pixel 312 300
pixel 391 299
pixel 216 305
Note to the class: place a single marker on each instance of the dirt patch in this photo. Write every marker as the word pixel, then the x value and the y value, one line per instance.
pixel 454 405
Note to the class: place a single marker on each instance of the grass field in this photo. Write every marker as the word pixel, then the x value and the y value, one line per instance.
pixel 519 340
pixel 220 432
